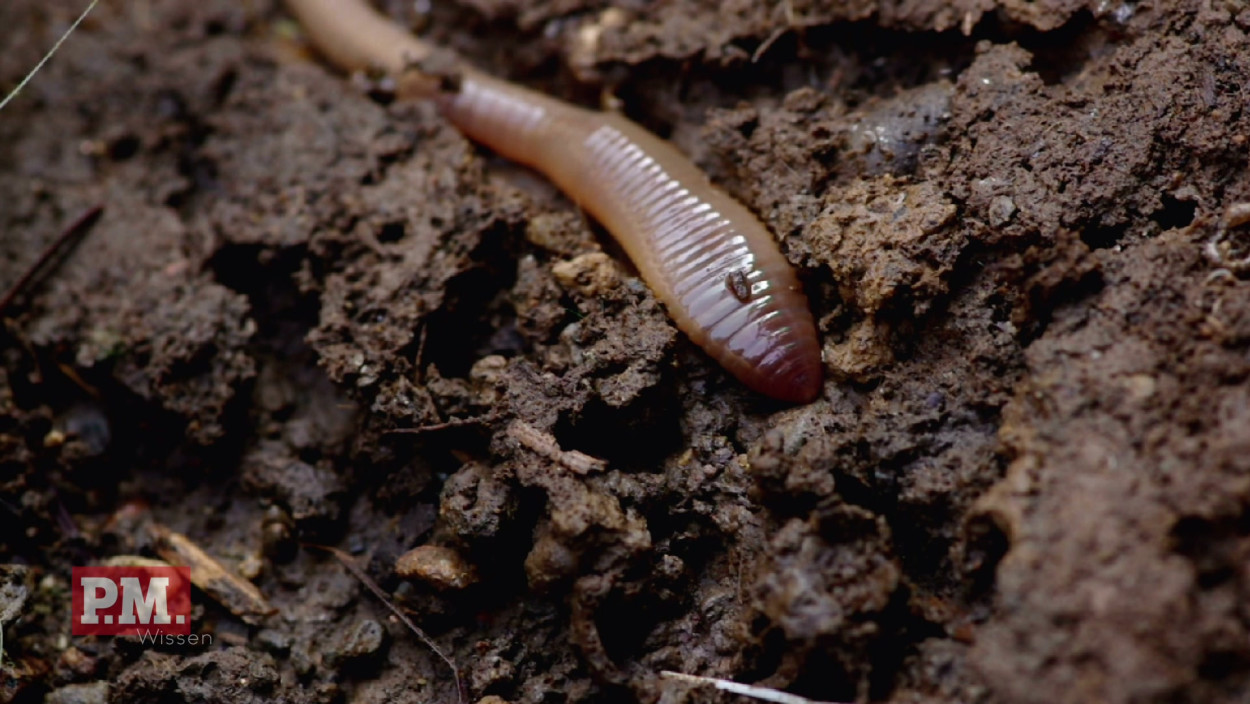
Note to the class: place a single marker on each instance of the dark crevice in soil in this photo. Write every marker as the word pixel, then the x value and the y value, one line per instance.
pixel 1061 54
pixel 640 436
pixel 902 630
pixel 283 315
pixel 1104 237
pixel 189 137
pixel 1174 213
pixel 983 545
pixel 477 317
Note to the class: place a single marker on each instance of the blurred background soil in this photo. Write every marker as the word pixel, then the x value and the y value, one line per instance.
pixel 312 316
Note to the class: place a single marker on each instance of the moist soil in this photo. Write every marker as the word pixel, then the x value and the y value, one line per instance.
pixel 313 316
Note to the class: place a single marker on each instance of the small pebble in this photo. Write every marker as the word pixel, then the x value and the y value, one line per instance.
pixel 272 641
pixel 13 591
pixel 1001 210
pixel 91 693
pixel 1238 214
pixel 439 566
pixel 592 274
pixel 361 643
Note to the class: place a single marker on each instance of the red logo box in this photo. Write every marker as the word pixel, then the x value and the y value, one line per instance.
pixel 132 601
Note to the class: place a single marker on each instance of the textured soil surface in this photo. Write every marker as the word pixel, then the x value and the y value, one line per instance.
pixel 310 316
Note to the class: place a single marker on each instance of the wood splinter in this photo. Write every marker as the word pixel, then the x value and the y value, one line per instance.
pixel 546 445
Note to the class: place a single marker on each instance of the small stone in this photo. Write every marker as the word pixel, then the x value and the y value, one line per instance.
pixel 488 369
pixel 91 693
pixel 1238 214
pixel 486 376
pixel 272 641
pixel 548 562
pixel 591 274
pixel 303 661
pixel 87 424
pixel 543 231
pixel 583 50
pixel 250 566
pixel 75 664
pixel 439 566
pixel 1140 386
pixel 1001 210
pixel 13 591
pixel 361 643
pixel 276 539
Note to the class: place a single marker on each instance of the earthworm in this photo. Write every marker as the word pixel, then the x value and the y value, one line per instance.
pixel 711 261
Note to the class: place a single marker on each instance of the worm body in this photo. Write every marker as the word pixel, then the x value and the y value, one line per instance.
pixel 707 258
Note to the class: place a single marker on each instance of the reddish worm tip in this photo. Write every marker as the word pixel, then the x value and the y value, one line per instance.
pixel 794 378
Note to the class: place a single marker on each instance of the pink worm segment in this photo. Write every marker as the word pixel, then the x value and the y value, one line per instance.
pixel 696 247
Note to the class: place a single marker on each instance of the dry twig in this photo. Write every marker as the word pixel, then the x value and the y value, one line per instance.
pixel 434 427
pixel 238 595
pixel 71 235
pixel 359 573
pixel 545 445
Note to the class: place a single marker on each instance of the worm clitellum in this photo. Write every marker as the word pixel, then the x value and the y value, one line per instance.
pixel 707 258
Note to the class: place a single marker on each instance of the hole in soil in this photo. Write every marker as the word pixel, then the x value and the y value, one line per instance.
pixel 823 677
pixel 1175 213
pixel 124 147
pixel 392 232
pixel 1221 664
pixel 624 623
pixel 1191 534
pixel 477 317
pixel 1061 54
pixel 984 547
pixel 923 550
pixel 283 314
pixel 201 172
pixel 1103 237
pixel 475 321
pixel 902 631
pixel 1213 545
pixel 224 85
pixel 640 435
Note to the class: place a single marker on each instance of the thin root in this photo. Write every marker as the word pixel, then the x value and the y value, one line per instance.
pixel 761 693
pixel 435 427
pixel 372 586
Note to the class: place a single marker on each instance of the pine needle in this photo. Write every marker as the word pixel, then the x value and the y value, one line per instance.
pixel 53 50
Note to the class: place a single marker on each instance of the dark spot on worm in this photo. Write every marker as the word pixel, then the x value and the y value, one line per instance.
pixel 736 282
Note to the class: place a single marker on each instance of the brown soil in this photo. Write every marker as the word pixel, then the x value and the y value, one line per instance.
pixel 1024 228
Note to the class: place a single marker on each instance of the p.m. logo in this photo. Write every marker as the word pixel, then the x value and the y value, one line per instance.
pixel 131 601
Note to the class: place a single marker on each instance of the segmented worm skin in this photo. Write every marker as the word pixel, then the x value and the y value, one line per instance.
pixel 707 258
pixel 688 239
